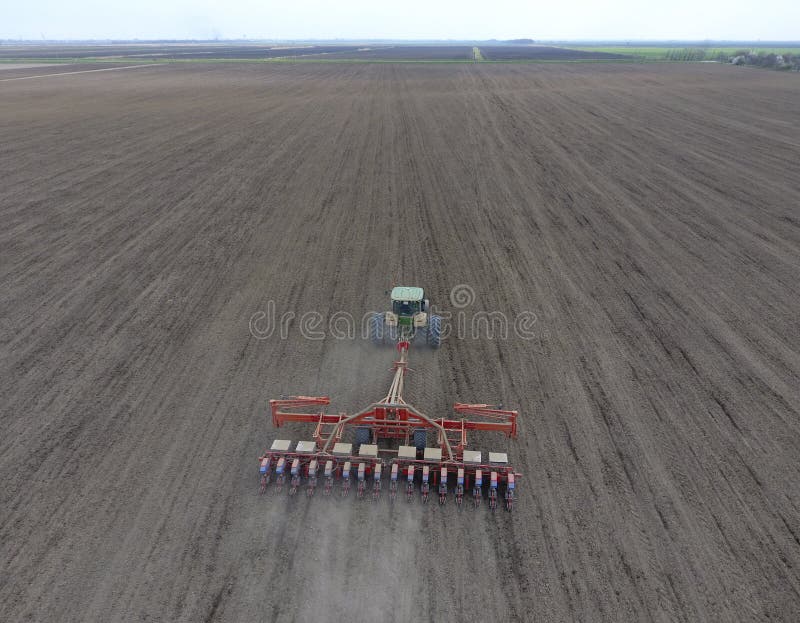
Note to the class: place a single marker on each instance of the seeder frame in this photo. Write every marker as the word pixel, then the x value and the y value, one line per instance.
pixel 393 418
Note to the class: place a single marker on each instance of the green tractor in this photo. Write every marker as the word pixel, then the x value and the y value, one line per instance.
pixel 409 318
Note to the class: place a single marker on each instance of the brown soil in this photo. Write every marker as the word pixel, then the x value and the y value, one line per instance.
pixel 648 214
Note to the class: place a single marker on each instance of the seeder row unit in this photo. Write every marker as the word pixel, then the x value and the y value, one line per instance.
pixel 368 473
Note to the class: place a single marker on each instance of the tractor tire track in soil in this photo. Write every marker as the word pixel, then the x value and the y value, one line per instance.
pixel 647 214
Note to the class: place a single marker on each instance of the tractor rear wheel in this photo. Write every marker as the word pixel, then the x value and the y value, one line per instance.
pixel 435 331
pixel 376 328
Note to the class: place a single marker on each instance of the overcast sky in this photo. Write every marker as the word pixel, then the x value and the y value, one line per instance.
pixel 400 19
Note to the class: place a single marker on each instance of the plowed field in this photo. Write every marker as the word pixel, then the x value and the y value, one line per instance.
pixel 646 214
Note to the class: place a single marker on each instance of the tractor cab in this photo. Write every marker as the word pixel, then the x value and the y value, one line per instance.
pixel 406 308
pixel 407 303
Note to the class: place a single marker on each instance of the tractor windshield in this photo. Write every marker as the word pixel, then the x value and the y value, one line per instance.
pixel 405 308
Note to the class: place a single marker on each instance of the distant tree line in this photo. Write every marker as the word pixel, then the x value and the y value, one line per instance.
pixel 740 57
pixel 766 59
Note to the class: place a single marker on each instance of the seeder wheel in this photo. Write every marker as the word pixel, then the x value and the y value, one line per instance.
pixel 263 485
pixel 420 439
pixel 363 435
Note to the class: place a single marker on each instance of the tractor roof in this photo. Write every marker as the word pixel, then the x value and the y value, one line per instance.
pixel 405 293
